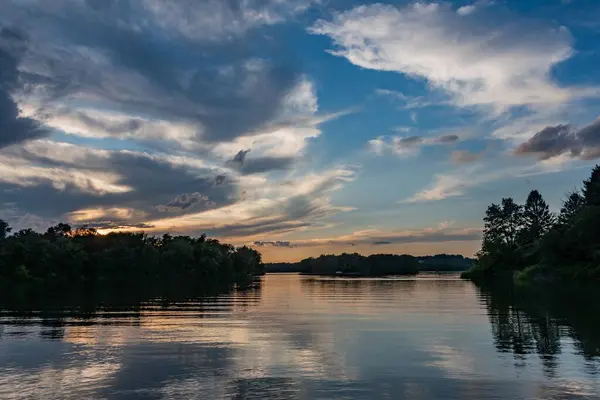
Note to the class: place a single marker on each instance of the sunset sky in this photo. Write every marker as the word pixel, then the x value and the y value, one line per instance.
pixel 299 127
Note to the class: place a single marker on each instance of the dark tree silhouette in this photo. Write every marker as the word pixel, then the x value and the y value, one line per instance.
pixel 537 218
pixel 591 188
pixel 73 259
pixel 571 206
pixel 4 229
pixel 531 241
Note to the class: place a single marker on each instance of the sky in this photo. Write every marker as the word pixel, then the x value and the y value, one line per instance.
pixel 298 127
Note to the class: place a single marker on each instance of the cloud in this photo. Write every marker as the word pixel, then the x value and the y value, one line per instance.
pixel 13 127
pixel 186 201
pixel 259 165
pixel 457 183
pixel 464 157
pixel 167 94
pixel 274 243
pixel 124 57
pixel 262 209
pixel 446 139
pixel 563 140
pixel 408 145
pixel 408 102
pixel 443 233
pixel 466 10
pixel 217 19
pixel 381 242
pixel 489 59
pixel 74 180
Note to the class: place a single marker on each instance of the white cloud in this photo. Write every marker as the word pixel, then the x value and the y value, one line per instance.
pixel 19 171
pixel 466 10
pixel 302 99
pixel 493 62
pixel 408 102
pixel 377 146
pixel 458 182
pixel 218 19
pixel 408 145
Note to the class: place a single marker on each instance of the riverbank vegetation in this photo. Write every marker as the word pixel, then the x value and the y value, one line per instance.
pixel 357 264
pixel 81 259
pixel 531 244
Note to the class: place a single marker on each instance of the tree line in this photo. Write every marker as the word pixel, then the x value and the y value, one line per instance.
pixel 69 259
pixel 358 265
pixel 530 242
pixel 434 263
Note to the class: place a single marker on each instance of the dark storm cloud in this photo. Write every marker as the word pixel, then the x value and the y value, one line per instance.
pixel 126 60
pixel 13 128
pixel 381 242
pixel 248 165
pixel 557 140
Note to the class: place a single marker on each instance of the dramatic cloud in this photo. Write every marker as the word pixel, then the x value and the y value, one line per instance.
pixel 99 185
pixel 554 141
pixel 124 57
pixel 13 127
pixel 479 59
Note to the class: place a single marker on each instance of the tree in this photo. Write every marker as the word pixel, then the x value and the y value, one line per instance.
pixel 571 206
pixel 58 230
pixel 4 229
pixel 591 188
pixel 537 218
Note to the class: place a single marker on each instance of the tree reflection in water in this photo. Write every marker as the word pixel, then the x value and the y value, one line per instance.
pixel 526 321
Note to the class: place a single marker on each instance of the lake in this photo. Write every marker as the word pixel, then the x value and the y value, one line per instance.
pixel 295 337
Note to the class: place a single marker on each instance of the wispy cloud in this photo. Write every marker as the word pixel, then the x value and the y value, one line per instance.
pixel 408 145
pixel 458 182
pixel 443 233
pixel 476 58
pixel 465 156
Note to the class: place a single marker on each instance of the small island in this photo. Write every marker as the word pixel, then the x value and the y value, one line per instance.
pixel 80 260
pixel 529 244
pixel 375 265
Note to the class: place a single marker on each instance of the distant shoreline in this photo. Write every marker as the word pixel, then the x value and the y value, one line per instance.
pixel 376 265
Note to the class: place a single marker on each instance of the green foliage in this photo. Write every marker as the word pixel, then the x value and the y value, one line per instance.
pixel 66 258
pixel 530 244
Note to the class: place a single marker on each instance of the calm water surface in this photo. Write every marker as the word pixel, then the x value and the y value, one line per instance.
pixel 298 337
